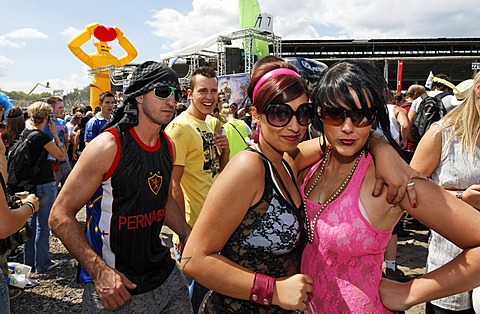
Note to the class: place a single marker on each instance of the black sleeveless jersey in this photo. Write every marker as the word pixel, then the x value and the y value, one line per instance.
pixel 126 215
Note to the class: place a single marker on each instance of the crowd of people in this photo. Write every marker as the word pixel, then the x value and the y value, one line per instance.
pixel 291 203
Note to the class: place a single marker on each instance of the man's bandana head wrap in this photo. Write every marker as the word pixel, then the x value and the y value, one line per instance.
pixel 145 78
pixel 148 76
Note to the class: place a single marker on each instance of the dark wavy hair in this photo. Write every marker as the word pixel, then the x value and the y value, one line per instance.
pixel 15 125
pixel 363 79
pixel 278 89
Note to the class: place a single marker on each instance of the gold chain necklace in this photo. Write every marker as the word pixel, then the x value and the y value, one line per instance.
pixel 334 195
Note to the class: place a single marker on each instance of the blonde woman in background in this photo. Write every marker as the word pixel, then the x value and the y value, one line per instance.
pixel 36 252
pixel 449 153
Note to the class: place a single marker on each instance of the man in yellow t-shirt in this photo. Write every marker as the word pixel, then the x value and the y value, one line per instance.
pixel 201 154
pixel 198 157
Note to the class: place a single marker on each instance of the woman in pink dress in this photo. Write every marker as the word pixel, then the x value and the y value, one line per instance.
pixel 348 229
pixel 253 214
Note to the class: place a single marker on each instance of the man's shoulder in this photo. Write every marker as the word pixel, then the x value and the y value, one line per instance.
pixel 104 140
pixel 96 120
pixel 183 118
pixel 99 116
pixel 183 121
pixel 91 121
pixel 59 122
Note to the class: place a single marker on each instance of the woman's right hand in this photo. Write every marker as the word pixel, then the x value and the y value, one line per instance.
pixel 34 199
pixel 291 293
pixel 471 196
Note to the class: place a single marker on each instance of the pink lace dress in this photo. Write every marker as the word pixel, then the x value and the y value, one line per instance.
pixel 346 256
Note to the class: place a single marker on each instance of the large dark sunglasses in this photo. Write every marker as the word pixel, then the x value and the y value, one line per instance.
pixel 337 116
pixel 163 92
pixel 279 115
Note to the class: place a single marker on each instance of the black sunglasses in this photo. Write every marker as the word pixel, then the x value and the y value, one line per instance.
pixel 163 92
pixel 279 115
pixel 337 116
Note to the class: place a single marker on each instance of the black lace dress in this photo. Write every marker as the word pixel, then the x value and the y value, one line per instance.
pixel 269 240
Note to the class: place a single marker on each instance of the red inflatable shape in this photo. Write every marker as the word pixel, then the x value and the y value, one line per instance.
pixel 104 33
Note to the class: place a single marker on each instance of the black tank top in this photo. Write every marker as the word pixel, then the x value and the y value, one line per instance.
pixel 139 186
pixel 269 240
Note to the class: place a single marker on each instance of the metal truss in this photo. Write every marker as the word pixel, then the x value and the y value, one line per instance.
pixel 248 36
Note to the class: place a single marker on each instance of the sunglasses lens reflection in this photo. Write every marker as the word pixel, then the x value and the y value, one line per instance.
pixel 165 92
pixel 280 115
pixel 336 117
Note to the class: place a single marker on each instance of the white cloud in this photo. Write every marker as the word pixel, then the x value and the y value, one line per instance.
pixel 207 18
pixel 4 63
pixel 5 42
pixel 75 80
pixel 5 60
pixel 20 86
pixel 13 39
pixel 308 19
pixel 356 19
pixel 78 79
pixel 70 32
pixel 26 33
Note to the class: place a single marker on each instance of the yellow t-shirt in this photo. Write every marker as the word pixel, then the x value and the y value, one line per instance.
pixel 195 151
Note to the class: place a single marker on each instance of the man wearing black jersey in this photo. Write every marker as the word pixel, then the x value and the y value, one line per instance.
pixel 126 171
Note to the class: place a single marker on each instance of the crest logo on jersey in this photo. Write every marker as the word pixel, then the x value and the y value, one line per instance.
pixel 155 183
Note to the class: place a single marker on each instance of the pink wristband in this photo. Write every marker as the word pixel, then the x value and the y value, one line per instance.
pixel 262 289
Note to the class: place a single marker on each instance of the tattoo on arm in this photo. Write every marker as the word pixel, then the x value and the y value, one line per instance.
pixel 187 259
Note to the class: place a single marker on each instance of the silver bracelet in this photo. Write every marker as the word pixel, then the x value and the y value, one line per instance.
pixel 32 207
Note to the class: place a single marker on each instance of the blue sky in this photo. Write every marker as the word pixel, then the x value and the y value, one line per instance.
pixel 34 34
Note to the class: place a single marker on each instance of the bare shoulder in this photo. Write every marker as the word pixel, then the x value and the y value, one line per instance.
pixel 245 170
pixel 103 142
pixel 241 184
pixel 100 152
pixel 246 161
